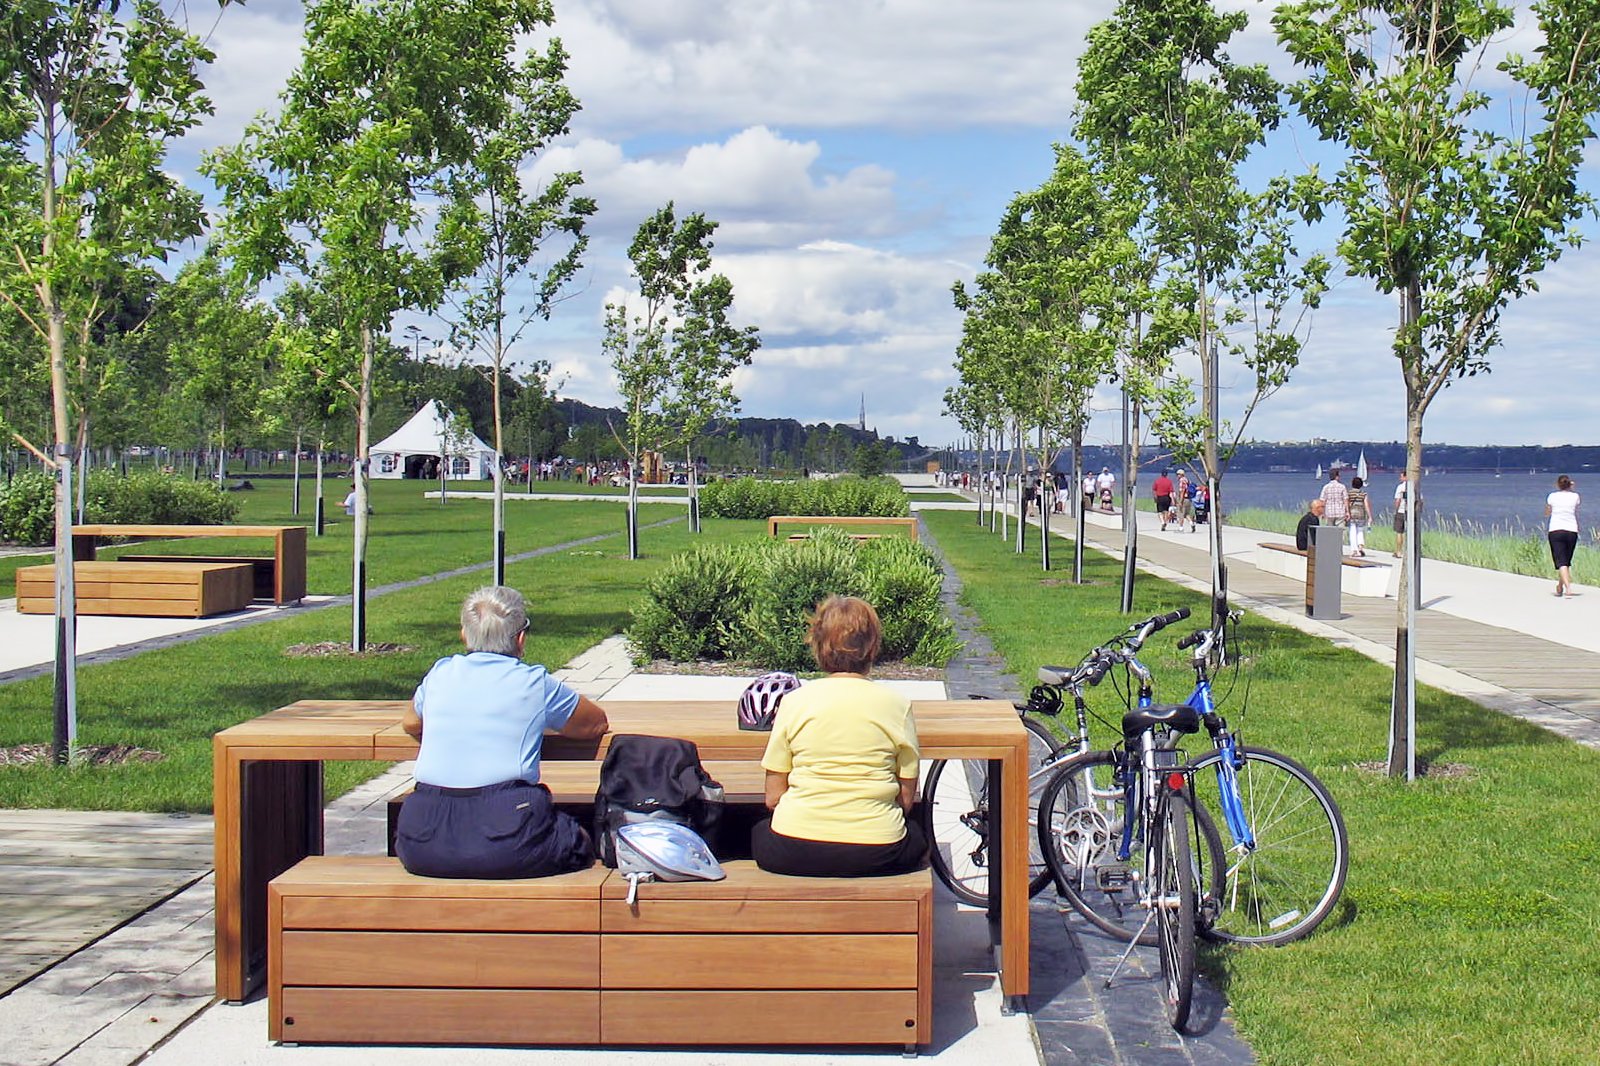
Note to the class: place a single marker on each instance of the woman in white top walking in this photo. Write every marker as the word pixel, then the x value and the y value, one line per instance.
pixel 1561 507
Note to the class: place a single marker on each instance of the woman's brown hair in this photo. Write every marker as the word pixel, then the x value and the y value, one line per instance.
pixel 1564 483
pixel 845 635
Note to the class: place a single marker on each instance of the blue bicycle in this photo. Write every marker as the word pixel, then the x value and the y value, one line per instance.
pixel 1283 868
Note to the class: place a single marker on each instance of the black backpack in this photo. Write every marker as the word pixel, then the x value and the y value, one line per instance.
pixel 648 778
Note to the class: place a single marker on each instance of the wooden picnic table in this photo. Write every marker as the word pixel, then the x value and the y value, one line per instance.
pixel 288 577
pixel 267 790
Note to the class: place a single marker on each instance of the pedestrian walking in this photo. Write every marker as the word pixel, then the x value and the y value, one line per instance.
pixel 1089 483
pixel 1359 515
pixel 1161 489
pixel 1401 490
pixel 1561 507
pixel 1185 501
pixel 1335 501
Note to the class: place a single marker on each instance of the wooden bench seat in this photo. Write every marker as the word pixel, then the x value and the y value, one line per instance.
pixel 1357 577
pixel 360 951
pixel 163 590
pixel 263 568
pixel 908 526
pixel 288 560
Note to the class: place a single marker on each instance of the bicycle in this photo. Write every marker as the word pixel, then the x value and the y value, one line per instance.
pixel 955 795
pixel 1284 868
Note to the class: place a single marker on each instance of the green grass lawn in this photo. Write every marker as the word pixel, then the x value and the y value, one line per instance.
pixel 172 700
pixel 409 536
pixel 1468 928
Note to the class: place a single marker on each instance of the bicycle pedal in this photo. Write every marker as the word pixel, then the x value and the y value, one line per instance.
pixel 1112 878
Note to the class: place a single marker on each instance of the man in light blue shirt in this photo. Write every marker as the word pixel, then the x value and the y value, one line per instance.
pixel 478 809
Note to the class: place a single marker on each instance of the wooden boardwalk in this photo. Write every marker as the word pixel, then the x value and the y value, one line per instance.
pixel 1561 677
pixel 69 877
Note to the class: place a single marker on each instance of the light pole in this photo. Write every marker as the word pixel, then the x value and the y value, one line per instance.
pixel 417 337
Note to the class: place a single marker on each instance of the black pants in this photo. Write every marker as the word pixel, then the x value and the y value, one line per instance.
pixel 510 829
pixel 1563 542
pixel 779 854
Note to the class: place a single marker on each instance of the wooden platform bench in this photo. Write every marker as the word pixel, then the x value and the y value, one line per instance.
pixel 161 590
pixel 1357 577
pixel 362 952
pixel 908 526
pixel 280 577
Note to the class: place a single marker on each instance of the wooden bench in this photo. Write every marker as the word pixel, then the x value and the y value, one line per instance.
pixel 906 525
pixel 263 569
pixel 1357 577
pixel 162 590
pixel 284 579
pixel 360 951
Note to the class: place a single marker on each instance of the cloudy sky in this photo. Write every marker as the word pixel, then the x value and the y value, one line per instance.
pixel 857 154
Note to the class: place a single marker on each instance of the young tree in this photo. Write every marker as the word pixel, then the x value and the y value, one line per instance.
pixel 1162 100
pixel 503 230
pixel 90 95
pixel 1452 199
pixel 217 347
pixel 390 96
pixel 676 343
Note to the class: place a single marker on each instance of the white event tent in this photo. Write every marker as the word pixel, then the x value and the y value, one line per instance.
pixel 413 450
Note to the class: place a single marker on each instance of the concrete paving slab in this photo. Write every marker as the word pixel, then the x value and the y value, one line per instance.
pixel 28 640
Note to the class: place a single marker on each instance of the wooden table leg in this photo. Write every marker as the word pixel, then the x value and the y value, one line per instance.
pixel 270 820
pixel 1009 778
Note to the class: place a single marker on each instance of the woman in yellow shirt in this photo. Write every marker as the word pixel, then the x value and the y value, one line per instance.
pixel 842 762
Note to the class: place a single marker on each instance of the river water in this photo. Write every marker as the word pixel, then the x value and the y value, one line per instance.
pixel 1480 500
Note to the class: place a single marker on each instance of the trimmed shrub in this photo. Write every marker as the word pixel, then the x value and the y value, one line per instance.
pixel 750 603
pixel 27 507
pixel 748 498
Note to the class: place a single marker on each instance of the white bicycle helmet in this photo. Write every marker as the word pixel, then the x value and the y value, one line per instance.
pixel 758 704
pixel 663 851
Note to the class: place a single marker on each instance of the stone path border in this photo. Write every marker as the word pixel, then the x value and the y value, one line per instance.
pixel 1077 1019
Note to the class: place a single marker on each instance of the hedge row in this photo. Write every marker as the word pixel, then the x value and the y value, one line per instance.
pixel 27 505
pixel 749 602
pixel 749 498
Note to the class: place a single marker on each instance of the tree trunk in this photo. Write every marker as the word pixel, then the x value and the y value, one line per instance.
pixel 1403 702
pixel 320 501
pixel 499 466
pixel 1044 503
pixel 295 499
pixel 1080 518
pixel 694 492
pixel 358 543
pixel 222 448
pixel 1130 498
pixel 633 509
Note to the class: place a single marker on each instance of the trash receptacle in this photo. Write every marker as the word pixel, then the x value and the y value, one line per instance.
pixel 1326 556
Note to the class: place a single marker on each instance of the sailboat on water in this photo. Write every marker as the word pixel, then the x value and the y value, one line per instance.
pixel 1319 471
pixel 1361 466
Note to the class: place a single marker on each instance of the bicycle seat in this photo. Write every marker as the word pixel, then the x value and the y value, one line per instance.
pixel 1179 717
pixel 1056 675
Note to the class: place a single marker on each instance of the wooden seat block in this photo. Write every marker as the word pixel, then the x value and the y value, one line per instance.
pixel 761 958
pixel 263 568
pixel 361 951
pixel 164 589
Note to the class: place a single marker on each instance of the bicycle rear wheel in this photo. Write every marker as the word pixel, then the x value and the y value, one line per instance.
pixel 1174 901
pixel 1080 819
pixel 1283 887
pixel 955 811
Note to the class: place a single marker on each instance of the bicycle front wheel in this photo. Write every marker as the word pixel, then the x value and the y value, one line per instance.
pixel 1081 816
pixel 955 810
pixel 1282 885
pixel 1174 901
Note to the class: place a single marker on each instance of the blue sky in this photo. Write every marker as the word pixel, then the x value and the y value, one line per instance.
pixel 858 154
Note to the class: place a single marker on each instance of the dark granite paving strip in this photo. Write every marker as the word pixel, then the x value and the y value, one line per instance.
pixel 1079 1021
pixel 256 618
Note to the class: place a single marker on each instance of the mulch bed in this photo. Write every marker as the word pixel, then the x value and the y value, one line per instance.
pixel 88 754
pixel 1443 771
pixel 331 649
pixel 896 671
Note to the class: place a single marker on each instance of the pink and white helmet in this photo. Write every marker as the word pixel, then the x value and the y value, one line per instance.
pixel 758 704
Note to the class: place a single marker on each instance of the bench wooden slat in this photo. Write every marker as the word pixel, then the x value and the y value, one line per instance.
pixel 758 960
pixel 182 590
pixel 429 913
pixel 440 960
pixel 652 915
pixel 1290 549
pixel 441 1016
pixel 871 1016
pixel 380 876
